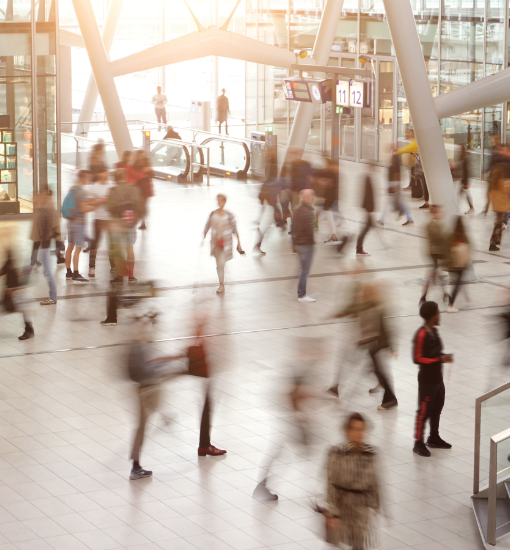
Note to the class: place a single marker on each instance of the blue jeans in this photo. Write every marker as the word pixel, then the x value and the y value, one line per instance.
pixel 45 256
pixel 305 252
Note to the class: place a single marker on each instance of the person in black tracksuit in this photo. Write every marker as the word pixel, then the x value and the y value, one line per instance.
pixel 428 354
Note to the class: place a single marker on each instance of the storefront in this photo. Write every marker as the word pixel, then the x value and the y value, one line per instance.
pixel 28 104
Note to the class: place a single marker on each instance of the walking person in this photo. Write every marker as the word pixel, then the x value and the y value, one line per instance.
pixel 222 111
pixel 464 178
pixel 46 226
pixel 375 337
pixel 457 260
pixel 74 208
pixel 437 244
pixel 159 101
pixel 125 161
pixel 395 198
pixel 353 489
pixel 303 240
pixel 125 207
pixel 144 184
pixel 98 199
pixel 368 205
pixel 428 355
pixel 149 375
pixel 328 181
pixel 499 197
pixel 223 227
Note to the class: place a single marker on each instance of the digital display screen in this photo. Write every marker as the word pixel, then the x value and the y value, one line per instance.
pixel 302 95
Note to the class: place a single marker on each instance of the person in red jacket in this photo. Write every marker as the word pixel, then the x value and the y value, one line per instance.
pixel 428 355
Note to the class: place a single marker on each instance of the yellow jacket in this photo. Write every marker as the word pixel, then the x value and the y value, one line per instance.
pixel 411 148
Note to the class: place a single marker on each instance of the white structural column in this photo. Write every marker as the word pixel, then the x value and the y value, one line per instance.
pixel 90 99
pixel 485 92
pixel 103 75
pixel 215 87
pixel 162 38
pixel 321 52
pixel 421 104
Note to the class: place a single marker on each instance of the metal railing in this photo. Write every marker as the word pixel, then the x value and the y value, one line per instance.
pixel 493 483
pixel 493 461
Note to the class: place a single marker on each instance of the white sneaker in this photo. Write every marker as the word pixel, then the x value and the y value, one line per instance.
pixel 92 272
pixel 306 299
pixel 452 309
pixel 378 388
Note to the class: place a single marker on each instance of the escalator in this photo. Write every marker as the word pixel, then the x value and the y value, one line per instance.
pixel 170 160
pixel 229 157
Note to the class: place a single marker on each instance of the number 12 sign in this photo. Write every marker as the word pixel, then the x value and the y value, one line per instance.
pixel 343 93
pixel 359 94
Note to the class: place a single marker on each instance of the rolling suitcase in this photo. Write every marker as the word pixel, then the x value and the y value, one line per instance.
pixel 416 188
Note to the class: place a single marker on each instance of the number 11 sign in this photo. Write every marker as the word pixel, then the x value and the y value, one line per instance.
pixel 343 93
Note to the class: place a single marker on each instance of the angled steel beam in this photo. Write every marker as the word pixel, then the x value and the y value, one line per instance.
pixel 103 76
pixel 485 92
pixel 89 101
pixel 195 45
pixel 421 104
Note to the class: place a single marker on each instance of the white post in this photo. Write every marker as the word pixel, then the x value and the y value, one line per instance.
pixel 90 99
pixel 215 87
pixel 103 76
pixel 421 104
pixel 162 38
pixel 321 52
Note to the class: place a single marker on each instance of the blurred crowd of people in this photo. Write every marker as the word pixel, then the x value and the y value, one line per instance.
pixel 297 200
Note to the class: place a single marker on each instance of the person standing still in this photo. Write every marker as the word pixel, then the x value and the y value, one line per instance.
pixel 428 355
pixel 222 111
pixel 98 194
pixel 76 228
pixel 303 240
pixel 159 101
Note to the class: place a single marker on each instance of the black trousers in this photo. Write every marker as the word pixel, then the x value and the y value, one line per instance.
pixel 99 228
pixel 205 423
pixel 382 377
pixel 111 307
pixel 430 404
pixel 426 196
pixel 368 224
pixel 456 288
pixel 436 260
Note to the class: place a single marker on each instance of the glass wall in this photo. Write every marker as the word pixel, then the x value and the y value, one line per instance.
pixel 462 41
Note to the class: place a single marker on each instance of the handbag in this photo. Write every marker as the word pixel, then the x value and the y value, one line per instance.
pixel 460 255
pixel 220 244
pixel 197 365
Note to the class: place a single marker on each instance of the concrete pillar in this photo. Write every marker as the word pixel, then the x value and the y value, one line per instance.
pixel 321 51
pixel 421 104
pixel 89 101
pixel 103 77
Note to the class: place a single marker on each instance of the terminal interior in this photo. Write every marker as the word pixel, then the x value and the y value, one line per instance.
pixel 68 411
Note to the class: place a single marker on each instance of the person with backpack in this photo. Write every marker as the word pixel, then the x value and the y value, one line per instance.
pixel 149 375
pixel 126 208
pixel 74 207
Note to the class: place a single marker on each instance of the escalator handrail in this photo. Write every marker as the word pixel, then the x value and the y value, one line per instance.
pixel 237 142
pixel 183 146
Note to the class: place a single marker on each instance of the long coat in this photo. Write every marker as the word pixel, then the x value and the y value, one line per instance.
pixel 352 493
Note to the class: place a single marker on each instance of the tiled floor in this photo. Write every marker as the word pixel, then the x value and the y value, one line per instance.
pixel 67 417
